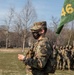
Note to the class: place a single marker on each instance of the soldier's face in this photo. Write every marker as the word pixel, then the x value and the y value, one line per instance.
pixel 36 35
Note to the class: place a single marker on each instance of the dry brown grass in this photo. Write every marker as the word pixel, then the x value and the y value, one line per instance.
pixel 13 49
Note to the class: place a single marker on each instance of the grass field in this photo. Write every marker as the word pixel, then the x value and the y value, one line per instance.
pixel 9 65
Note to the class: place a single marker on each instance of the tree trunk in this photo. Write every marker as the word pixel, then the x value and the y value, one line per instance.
pixel 6 43
pixel 23 45
pixel 24 42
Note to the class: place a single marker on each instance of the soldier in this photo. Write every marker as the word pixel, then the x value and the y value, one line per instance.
pixel 63 56
pixel 59 58
pixel 41 51
pixel 72 58
pixel 66 57
pixel 55 52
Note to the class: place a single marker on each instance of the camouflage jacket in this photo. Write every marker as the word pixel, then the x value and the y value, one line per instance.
pixel 42 52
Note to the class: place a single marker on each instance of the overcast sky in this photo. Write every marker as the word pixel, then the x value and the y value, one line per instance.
pixel 44 8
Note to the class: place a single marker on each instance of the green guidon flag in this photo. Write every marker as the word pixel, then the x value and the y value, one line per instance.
pixel 67 14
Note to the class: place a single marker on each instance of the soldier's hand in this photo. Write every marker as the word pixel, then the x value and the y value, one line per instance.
pixel 21 57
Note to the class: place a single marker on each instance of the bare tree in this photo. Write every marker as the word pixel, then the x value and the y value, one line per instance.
pixel 54 23
pixel 71 38
pixel 53 27
pixel 2 35
pixel 8 22
pixel 28 16
pixel 18 29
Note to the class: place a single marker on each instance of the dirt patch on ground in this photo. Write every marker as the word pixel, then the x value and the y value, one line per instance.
pixel 13 50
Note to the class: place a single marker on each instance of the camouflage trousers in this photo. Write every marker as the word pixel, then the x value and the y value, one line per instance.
pixel 30 73
pixel 35 72
pixel 68 63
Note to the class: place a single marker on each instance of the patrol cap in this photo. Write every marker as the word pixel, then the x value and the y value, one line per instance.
pixel 38 26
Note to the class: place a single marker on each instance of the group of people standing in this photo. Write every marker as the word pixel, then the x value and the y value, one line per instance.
pixel 64 56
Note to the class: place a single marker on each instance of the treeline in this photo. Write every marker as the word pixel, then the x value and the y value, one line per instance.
pixel 16 29
pixel 15 39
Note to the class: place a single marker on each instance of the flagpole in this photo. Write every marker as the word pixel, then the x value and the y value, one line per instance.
pixel 70 34
pixel 69 39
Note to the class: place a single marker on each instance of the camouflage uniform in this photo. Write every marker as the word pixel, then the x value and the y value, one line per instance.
pixel 66 58
pixel 42 51
pixel 63 52
pixel 59 58
pixel 55 52
pixel 72 58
